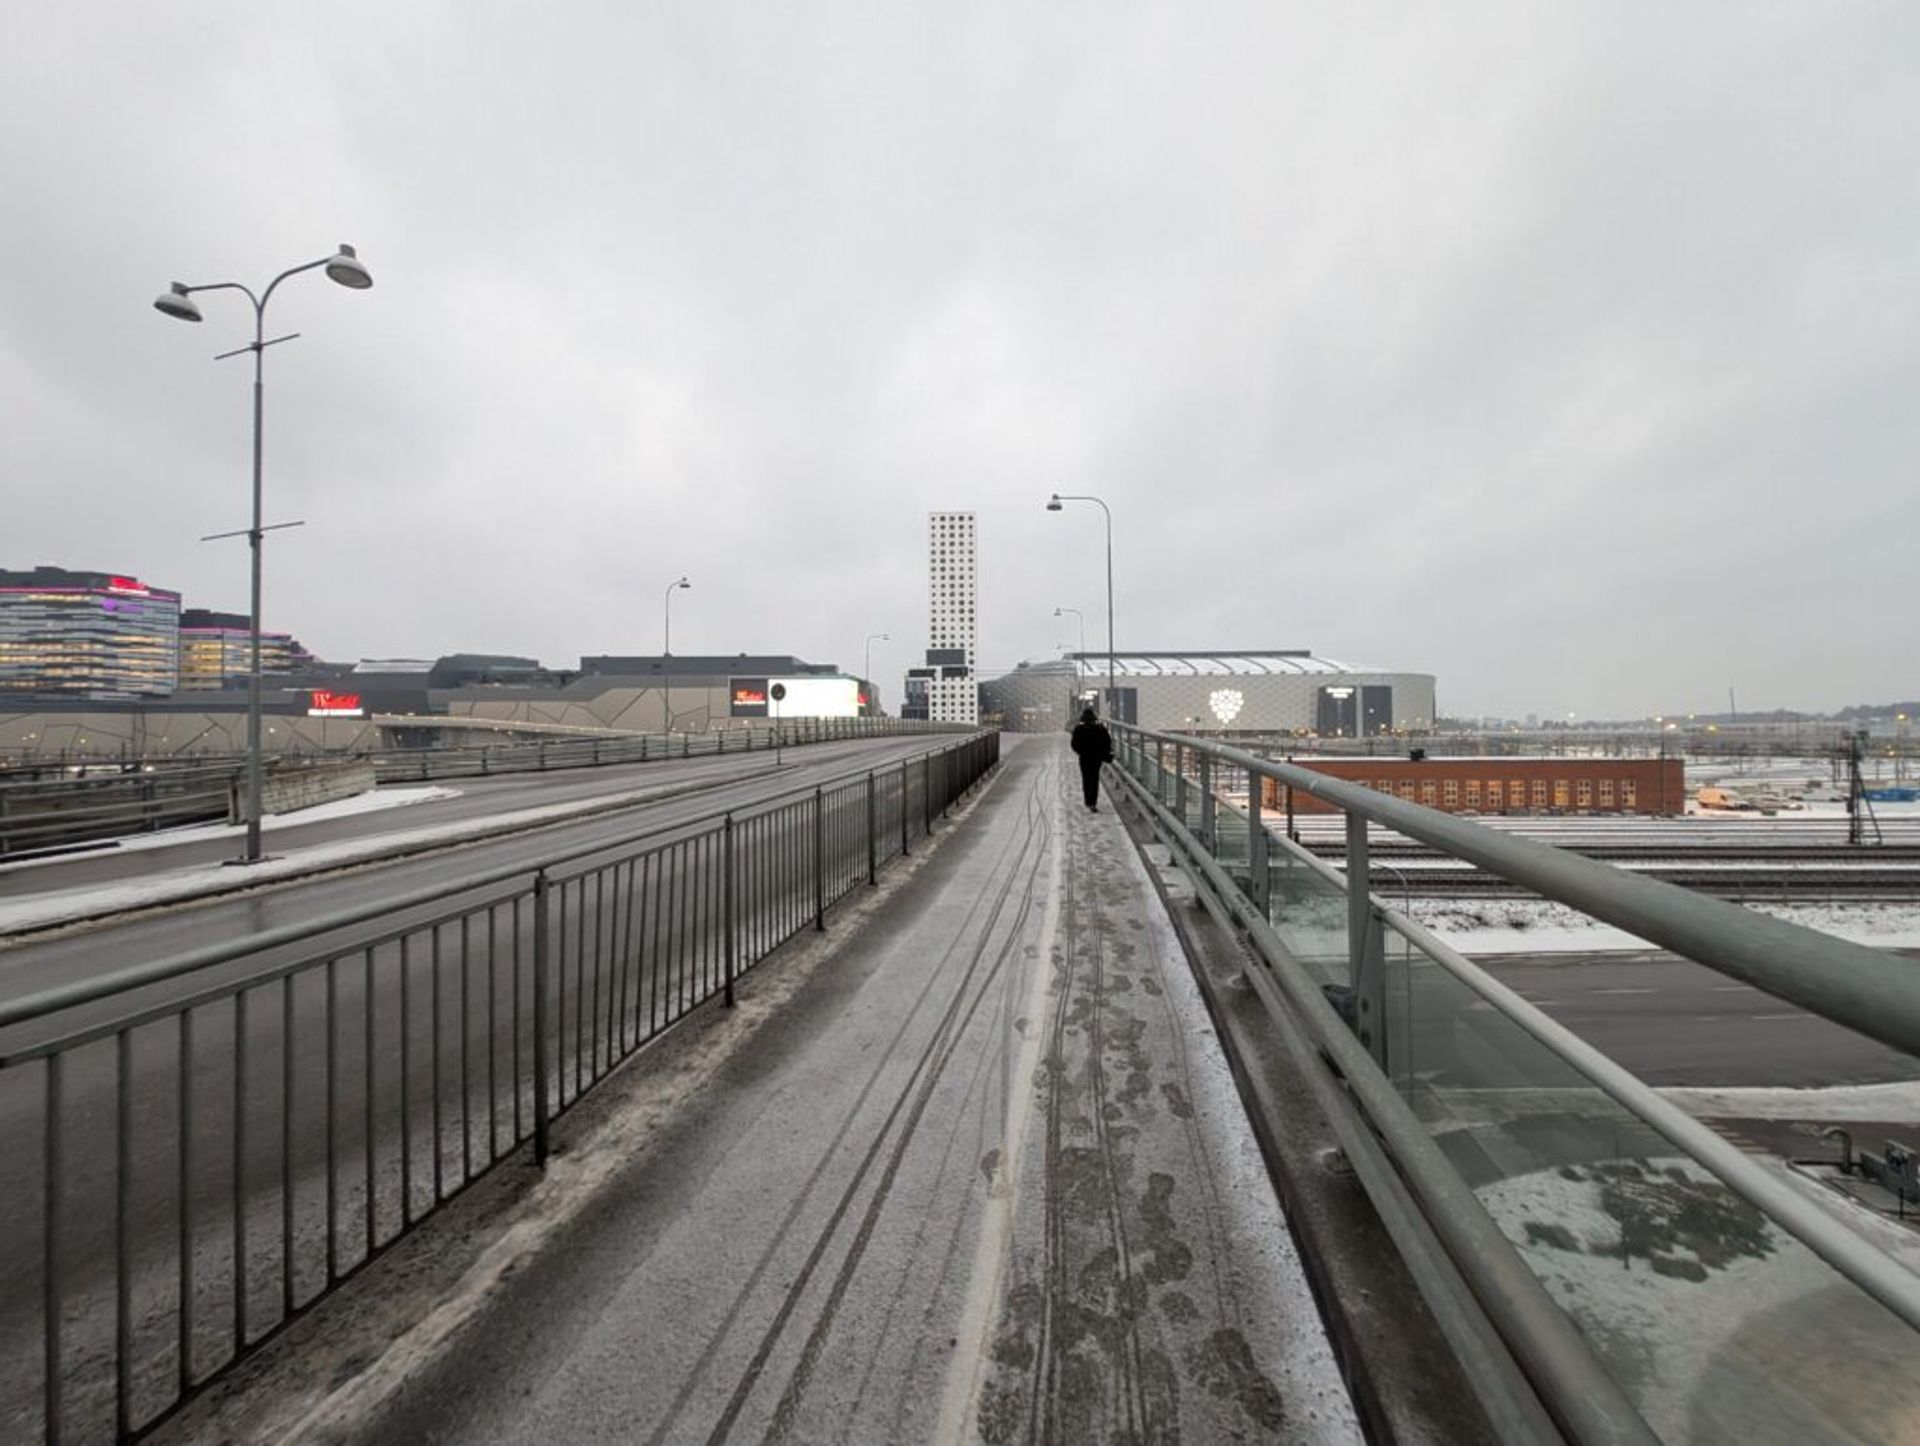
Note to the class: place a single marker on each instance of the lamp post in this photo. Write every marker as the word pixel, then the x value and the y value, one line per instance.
pixel 866 663
pixel 1054 505
pixel 1080 618
pixel 666 647
pixel 345 268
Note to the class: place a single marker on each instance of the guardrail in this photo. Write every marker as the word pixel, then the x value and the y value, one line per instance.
pixel 1607 1268
pixel 397 765
pixel 55 812
pixel 205 1146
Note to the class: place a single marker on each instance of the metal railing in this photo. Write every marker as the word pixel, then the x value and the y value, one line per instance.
pixel 49 813
pixel 397 765
pixel 1607 1268
pixel 203 1147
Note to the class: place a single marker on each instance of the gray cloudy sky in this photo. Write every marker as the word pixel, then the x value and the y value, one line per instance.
pixel 1565 351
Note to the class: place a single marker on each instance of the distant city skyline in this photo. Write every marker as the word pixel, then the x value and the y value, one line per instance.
pixel 1561 352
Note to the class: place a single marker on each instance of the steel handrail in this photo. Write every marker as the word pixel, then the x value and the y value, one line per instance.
pixel 87 991
pixel 1873 993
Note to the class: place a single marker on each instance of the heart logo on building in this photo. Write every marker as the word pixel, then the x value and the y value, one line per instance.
pixel 1226 704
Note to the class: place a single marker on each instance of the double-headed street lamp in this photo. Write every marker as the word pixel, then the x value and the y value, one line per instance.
pixel 1054 505
pixel 666 646
pixel 345 267
pixel 866 665
pixel 1080 618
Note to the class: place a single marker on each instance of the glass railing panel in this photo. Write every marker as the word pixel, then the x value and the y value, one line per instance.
pixel 1308 911
pixel 1718 1324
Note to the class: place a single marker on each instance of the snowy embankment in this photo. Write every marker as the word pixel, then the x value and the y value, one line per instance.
pixel 1539 926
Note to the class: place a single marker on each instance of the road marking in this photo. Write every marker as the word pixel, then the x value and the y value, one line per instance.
pixel 1732 988
pixel 1795 1015
pixel 1633 989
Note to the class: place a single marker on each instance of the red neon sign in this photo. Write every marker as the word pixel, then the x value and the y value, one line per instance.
pixel 749 695
pixel 323 703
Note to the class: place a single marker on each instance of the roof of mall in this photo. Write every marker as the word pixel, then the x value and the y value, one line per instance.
pixel 1240 664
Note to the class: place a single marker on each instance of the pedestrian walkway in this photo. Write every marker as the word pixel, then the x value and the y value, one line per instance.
pixel 984 1176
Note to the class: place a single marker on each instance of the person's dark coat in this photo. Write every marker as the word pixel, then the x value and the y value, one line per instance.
pixel 1094 745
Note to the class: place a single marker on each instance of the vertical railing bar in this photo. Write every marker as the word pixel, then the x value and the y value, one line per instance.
pixel 593 1010
pixel 493 1031
pixel 540 888
pixel 366 1104
pixel 579 978
pixel 626 956
pixel 466 1072
pixel 560 1003
pixel 656 906
pixel 682 933
pixel 518 1126
pixel 728 910
pixel 406 1080
pixel 433 1055
pixel 52 1308
pixel 239 1179
pixel 286 1148
pixel 122 1236
pixel 333 1110
pixel 182 1183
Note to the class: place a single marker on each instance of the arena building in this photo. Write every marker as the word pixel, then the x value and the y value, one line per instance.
pixel 1264 692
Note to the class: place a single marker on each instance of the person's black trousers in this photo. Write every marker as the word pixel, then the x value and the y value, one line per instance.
pixel 1090 782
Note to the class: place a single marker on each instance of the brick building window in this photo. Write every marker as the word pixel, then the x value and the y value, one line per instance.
pixel 1406 792
pixel 1473 793
pixel 1629 793
pixel 1496 795
pixel 1606 793
pixel 1429 793
pixel 1539 793
pixel 1562 793
pixel 1583 793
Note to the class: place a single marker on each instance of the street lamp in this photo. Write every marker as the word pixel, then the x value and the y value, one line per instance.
pixel 344 267
pixel 1054 505
pixel 1080 618
pixel 666 647
pixel 866 665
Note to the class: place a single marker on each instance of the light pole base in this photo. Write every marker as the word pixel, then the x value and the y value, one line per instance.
pixel 243 863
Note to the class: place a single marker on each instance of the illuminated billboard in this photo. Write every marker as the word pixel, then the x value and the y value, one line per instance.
pixel 806 698
pixel 321 704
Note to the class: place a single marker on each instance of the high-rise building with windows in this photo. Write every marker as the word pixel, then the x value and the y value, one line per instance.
pixel 216 651
pixel 87 634
pixel 952 694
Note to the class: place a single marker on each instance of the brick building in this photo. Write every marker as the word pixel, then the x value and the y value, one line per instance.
pixel 1506 785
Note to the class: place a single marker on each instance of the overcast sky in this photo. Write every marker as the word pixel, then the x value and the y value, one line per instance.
pixel 1568 352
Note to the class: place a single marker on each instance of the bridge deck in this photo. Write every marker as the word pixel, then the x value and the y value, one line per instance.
pixel 970 1168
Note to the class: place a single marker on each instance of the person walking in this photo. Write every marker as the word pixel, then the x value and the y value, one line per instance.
pixel 1095 746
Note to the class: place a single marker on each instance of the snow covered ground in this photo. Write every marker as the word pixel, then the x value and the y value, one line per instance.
pixel 64 906
pixel 377 801
pixel 1539 926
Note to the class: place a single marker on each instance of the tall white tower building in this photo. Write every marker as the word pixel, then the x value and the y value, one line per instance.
pixel 953 696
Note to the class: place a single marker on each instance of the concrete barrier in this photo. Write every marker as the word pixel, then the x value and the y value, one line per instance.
pixel 292 785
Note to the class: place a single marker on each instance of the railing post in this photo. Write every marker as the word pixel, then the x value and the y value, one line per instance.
pixel 727 907
pixel 1259 876
pixel 1366 946
pixel 926 794
pixel 1180 782
pixel 873 833
pixel 819 861
pixel 540 964
pixel 904 849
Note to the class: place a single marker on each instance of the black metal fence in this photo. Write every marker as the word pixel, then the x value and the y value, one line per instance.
pixel 204 1147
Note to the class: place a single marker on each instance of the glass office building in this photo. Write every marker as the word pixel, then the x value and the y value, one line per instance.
pixel 87 635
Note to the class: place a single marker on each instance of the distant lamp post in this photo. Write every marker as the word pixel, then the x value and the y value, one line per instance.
pixel 1080 618
pixel 866 664
pixel 666 647
pixel 346 268
pixel 1054 505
